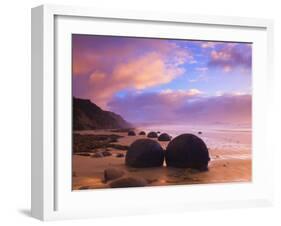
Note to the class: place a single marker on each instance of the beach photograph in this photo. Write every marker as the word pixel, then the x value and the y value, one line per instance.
pixel 159 112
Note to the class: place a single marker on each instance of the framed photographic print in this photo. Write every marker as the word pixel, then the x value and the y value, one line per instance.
pixel 137 112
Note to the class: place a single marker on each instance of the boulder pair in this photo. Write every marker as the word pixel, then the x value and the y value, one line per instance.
pixel 184 151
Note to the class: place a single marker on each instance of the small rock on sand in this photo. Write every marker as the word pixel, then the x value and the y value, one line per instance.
pixel 120 155
pixel 126 182
pixel 199 132
pixel 164 137
pixel 112 173
pixel 106 153
pixel 152 135
pixel 131 133
pixel 97 155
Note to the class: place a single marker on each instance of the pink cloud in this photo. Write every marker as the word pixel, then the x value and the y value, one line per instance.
pixel 144 72
pixel 110 65
pixel 232 56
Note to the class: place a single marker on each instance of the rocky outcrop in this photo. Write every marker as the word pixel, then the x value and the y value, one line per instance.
pixel 87 115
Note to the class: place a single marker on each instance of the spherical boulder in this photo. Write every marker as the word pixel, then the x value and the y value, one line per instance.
pixel 125 182
pixel 187 151
pixel 131 133
pixel 145 153
pixel 152 135
pixel 164 137
pixel 142 133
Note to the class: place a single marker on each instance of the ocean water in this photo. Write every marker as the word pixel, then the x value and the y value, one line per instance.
pixel 232 140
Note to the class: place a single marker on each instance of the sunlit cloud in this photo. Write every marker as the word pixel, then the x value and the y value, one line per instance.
pixel 231 56
pixel 120 65
pixel 144 72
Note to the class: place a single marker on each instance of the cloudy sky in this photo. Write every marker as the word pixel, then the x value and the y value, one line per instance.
pixel 161 80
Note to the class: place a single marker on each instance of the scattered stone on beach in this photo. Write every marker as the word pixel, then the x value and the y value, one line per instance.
pixel 187 151
pixel 106 153
pixel 158 132
pixel 119 146
pixel 131 133
pixel 97 155
pixel 145 153
pixel 88 142
pixel 199 132
pixel 164 137
pixel 112 174
pixel 120 155
pixel 142 133
pixel 152 135
pixel 125 182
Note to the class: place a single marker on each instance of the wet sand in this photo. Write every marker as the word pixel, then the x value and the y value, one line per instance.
pixel 226 165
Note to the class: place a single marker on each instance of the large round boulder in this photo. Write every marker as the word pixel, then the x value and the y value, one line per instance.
pixel 142 133
pixel 164 137
pixel 187 151
pixel 131 133
pixel 145 153
pixel 152 135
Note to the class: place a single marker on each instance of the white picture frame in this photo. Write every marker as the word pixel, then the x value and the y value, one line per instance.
pixel 51 196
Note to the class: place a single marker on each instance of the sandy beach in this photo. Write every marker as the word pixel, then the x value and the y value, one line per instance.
pixel 230 162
